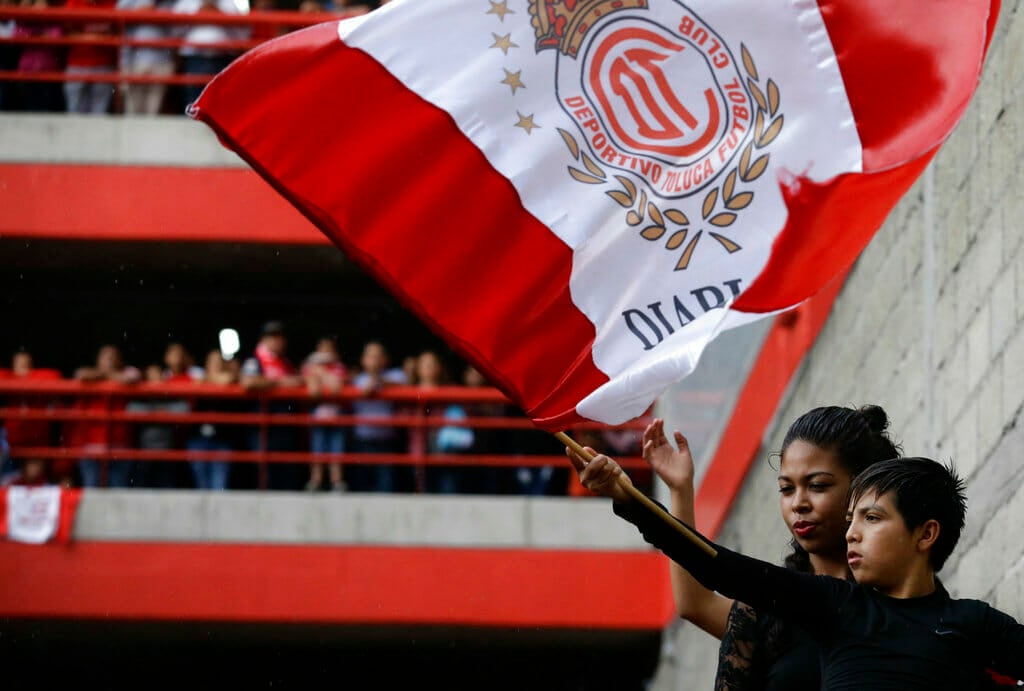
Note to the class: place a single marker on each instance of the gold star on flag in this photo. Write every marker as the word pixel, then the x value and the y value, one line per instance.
pixel 503 42
pixel 513 80
pixel 500 9
pixel 526 122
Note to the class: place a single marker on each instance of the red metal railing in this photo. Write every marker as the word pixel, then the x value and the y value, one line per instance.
pixel 54 401
pixel 120 20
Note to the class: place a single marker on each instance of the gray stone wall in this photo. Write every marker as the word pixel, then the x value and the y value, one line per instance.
pixel 929 326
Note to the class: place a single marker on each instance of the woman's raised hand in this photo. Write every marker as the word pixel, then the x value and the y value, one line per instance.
pixel 673 464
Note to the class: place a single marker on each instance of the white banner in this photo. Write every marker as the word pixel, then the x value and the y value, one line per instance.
pixel 33 513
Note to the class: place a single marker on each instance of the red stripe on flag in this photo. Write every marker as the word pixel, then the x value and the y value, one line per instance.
pixel 909 73
pixel 909 76
pixel 413 208
pixel 828 226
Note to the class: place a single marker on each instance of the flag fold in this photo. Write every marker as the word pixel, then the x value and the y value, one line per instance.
pixel 579 195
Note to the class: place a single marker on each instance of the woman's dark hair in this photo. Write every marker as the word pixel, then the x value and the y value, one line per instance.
pixel 858 438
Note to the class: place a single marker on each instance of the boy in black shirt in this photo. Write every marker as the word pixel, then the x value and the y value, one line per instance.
pixel 895 628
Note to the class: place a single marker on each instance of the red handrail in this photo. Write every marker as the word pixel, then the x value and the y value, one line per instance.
pixel 53 401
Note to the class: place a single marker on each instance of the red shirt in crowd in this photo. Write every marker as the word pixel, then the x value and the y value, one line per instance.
pixel 22 432
pixel 82 54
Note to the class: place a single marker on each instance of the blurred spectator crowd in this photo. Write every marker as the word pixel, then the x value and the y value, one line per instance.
pixel 92 54
pixel 315 379
pixel 92 63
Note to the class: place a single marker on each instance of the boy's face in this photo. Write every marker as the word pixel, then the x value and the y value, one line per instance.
pixel 880 548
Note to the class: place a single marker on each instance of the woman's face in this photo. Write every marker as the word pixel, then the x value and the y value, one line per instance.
pixel 813 489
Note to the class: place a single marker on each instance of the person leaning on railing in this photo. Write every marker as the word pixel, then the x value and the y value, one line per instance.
pixel 263 31
pixel 177 367
pixel 29 433
pixel 376 373
pixel 148 61
pixel 42 96
pixel 268 368
pixel 200 55
pixel 207 436
pixel 9 53
pixel 431 373
pixel 98 436
pixel 325 375
pixel 88 58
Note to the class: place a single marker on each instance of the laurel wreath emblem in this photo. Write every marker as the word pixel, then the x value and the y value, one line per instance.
pixel 722 203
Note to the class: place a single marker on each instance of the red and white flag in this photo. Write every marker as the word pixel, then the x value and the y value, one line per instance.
pixel 578 195
pixel 38 514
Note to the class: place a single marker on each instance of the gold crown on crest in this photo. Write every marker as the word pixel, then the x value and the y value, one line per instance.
pixel 563 24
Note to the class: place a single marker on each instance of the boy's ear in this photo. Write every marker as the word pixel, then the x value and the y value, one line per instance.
pixel 927 534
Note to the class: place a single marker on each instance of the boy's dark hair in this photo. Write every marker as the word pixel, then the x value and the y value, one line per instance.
pixel 857 436
pixel 922 489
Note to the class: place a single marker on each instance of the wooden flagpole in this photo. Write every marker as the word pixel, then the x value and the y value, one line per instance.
pixel 639 496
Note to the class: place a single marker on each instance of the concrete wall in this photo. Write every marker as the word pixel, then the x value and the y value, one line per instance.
pixel 166 140
pixel 241 517
pixel 930 325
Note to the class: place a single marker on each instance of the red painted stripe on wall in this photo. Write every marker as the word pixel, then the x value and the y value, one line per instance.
pixel 147 203
pixel 790 337
pixel 348 584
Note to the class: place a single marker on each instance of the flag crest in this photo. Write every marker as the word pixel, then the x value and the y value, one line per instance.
pixel 579 195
